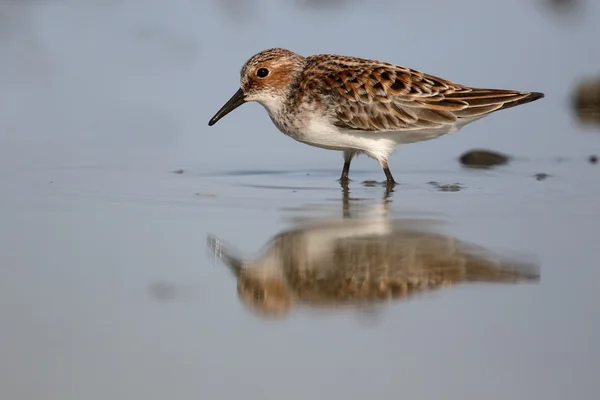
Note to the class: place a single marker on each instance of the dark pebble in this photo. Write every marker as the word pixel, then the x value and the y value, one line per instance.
pixel 483 159
pixel 586 101
pixel 370 183
pixel 450 187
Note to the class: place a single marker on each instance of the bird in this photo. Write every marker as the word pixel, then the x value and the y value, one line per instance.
pixel 340 263
pixel 360 106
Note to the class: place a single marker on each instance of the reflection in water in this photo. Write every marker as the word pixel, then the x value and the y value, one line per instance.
pixel 360 261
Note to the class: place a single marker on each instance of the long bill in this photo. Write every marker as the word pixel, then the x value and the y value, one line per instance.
pixel 236 100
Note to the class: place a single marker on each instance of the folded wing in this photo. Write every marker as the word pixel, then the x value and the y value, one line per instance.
pixel 373 96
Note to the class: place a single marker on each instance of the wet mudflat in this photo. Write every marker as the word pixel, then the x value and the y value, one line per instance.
pixel 146 256
pixel 120 284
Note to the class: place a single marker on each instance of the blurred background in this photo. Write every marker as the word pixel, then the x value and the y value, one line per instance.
pixel 77 75
pixel 111 180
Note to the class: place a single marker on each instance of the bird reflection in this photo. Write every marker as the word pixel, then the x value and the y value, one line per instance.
pixel 357 262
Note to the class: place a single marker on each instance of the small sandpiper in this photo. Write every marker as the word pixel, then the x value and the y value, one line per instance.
pixel 357 105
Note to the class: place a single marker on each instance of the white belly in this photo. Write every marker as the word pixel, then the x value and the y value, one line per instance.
pixel 319 132
pixel 315 130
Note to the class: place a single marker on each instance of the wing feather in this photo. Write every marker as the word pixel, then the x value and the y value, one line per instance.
pixel 373 96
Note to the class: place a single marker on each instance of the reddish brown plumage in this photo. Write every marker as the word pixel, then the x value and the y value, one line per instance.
pixel 374 96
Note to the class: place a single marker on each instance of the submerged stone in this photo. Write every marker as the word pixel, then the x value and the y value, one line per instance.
pixel 483 159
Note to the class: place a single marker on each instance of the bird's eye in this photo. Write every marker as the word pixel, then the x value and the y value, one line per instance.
pixel 262 72
pixel 258 294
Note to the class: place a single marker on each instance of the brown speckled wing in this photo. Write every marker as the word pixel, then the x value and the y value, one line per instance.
pixel 375 96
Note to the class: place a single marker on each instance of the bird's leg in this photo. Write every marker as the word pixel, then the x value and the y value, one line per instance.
pixel 388 175
pixel 348 155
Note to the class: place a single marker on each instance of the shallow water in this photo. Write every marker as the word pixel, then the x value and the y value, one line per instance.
pixel 115 195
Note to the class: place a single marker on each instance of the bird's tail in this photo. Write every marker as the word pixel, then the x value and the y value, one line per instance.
pixel 528 98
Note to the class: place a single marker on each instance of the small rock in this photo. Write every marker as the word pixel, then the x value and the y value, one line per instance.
pixel 178 171
pixel 370 183
pixel 586 101
pixel 593 159
pixel 452 187
pixel 483 159
pixel 541 176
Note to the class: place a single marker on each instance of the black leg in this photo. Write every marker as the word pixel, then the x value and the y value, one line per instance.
pixel 345 171
pixel 348 155
pixel 388 175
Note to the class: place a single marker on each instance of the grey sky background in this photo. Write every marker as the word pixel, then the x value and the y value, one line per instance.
pixel 132 83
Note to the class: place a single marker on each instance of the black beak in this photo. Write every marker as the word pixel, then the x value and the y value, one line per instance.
pixel 236 100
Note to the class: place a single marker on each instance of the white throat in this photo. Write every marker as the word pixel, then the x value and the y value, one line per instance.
pixel 272 103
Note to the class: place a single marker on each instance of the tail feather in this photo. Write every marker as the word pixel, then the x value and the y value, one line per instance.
pixel 532 96
pixel 482 102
